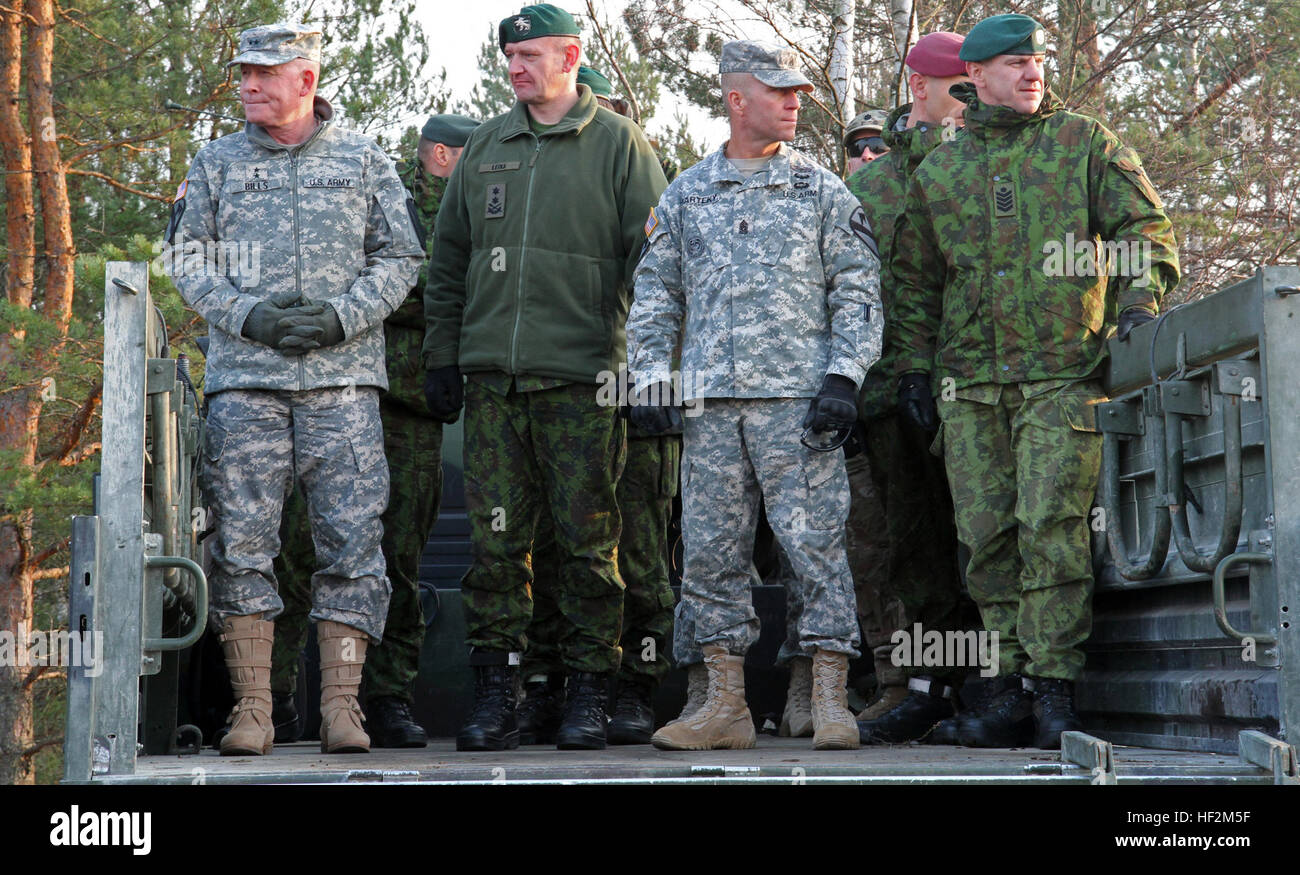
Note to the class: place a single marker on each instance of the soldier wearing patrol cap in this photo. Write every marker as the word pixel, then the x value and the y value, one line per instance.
pixel 527 294
pixel 294 369
pixel 1015 348
pixel 413 448
pixel 758 264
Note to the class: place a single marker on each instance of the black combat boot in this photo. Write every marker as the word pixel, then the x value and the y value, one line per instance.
pixel 633 721
pixel 1008 721
pixel 389 723
pixel 491 726
pixel 539 713
pixel 583 726
pixel 1053 712
pixel 928 701
pixel 284 716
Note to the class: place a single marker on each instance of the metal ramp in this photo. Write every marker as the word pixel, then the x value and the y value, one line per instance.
pixel 776 761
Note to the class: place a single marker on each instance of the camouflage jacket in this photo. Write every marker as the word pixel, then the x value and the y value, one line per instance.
pixel 404 329
pixel 983 294
pixel 537 238
pixel 325 220
pixel 768 282
pixel 881 187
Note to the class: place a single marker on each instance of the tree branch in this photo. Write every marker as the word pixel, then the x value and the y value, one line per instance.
pixel 618 70
pixel 162 198
pixel 39 746
pixel 77 427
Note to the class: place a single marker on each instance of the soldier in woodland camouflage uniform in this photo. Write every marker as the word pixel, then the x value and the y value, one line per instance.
pixel 413 447
pixel 919 578
pixel 294 369
pixel 526 297
pixel 1014 346
pixel 757 264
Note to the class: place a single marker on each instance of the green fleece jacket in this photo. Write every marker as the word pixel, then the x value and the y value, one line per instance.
pixel 538 236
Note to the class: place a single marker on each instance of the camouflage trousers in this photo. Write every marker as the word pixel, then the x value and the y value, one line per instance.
pixel 257 443
pixel 736 451
pixel 525 451
pixel 1023 462
pixel 413 446
pixel 921 578
pixel 645 500
pixel 865 547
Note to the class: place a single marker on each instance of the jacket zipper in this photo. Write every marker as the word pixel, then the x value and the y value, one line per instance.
pixel 297 258
pixel 523 252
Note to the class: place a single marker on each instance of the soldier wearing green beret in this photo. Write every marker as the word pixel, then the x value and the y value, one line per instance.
pixel 413 447
pixel 526 298
pixel 1014 347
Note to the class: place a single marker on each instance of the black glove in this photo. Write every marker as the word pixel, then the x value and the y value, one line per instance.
pixel 1130 319
pixel 263 325
pixel 656 418
pixel 445 393
pixel 916 402
pixel 835 407
pixel 309 327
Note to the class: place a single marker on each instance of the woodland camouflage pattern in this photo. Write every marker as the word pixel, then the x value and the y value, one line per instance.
pixel 915 542
pixel 981 215
pixel 767 283
pixel 329 221
pixel 528 447
pixel 645 501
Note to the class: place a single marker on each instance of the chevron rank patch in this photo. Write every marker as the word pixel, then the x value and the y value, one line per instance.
pixel 1004 200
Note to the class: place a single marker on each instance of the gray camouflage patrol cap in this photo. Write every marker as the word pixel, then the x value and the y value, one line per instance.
pixel 273 44
pixel 871 120
pixel 772 65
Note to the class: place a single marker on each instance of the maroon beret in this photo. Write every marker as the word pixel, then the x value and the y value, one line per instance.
pixel 935 54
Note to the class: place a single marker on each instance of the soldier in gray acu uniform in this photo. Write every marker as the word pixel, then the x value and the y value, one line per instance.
pixel 294 368
pixel 758 263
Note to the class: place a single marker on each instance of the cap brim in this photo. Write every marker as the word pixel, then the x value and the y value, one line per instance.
pixel 265 59
pixel 783 79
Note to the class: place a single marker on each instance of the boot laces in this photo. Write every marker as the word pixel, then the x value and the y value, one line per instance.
pixel 586 699
pixel 828 690
pixel 630 701
pixel 490 695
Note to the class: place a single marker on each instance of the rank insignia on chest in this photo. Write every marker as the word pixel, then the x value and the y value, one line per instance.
pixel 496 201
pixel 742 227
pixel 695 247
pixel 1004 200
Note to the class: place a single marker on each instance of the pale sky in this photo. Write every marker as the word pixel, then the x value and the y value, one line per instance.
pixel 457 27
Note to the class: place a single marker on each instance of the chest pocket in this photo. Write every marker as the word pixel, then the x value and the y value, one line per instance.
pixel 791 239
pixel 331 185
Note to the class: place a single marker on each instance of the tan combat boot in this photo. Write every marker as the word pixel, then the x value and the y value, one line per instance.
pixel 796 720
pixel 724 723
pixel 246 643
pixel 833 725
pixel 892 683
pixel 697 690
pixel 342 656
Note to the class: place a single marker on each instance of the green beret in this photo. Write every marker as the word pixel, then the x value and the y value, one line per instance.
pixel 541 19
pixel 1009 34
pixel 449 129
pixel 599 85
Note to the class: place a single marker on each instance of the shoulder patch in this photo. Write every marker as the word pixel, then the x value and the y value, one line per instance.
pixel 651 223
pixel 180 191
pixel 861 228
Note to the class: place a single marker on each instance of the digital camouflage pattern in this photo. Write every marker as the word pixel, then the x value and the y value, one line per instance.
pixel 881 187
pixel 1024 464
pixel 977 300
pixel 413 448
pixel 766 283
pixel 736 452
pixel 645 500
pixel 324 221
pixel 523 449
pixel 332 439
pixel 915 540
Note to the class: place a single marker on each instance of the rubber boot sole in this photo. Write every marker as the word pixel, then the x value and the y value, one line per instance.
pixel 629 734
pixel 573 739
pixel 509 742
pixel 247 750
pixel 721 744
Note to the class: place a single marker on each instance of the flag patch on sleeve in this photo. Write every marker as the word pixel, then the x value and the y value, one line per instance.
pixel 651 223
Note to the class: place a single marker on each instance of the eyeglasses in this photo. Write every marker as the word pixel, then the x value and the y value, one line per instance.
pixel 875 144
